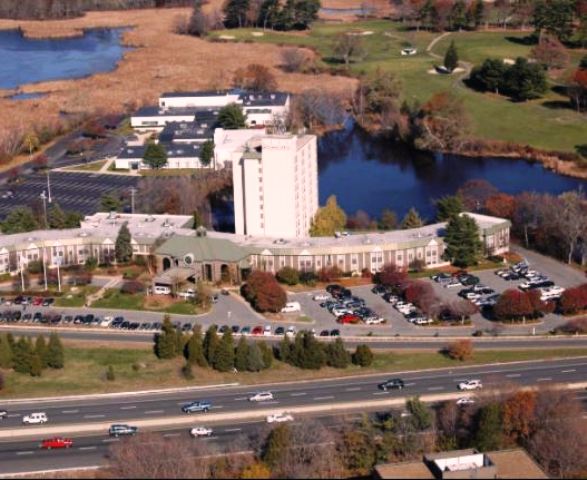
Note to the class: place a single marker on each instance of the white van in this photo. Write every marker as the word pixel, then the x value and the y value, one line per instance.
pixel 291 307
pixel 35 418
pixel 106 321
pixel 161 290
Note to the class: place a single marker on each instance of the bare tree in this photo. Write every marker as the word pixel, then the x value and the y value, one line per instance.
pixel 572 220
pixel 349 47
pixel 294 59
pixel 317 107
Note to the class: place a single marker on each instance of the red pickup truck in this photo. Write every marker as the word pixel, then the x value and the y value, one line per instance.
pixel 56 442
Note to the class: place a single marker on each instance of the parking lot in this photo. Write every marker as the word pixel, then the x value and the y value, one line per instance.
pixel 79 192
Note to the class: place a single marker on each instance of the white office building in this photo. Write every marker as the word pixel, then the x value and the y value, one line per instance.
pixel 275 181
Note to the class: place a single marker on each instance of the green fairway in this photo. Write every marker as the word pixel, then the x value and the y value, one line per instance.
pixel 542 123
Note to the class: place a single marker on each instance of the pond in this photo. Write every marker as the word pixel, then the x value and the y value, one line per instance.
pixel 371 175
pixel 24 60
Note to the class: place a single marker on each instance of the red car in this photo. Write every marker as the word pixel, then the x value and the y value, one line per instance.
pixel 56 442
pixel 349 318
pixel 37 301
pixel 257 331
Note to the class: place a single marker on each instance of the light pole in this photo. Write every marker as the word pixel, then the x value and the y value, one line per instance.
pixel 45 269
pixel 133 191
pixel 49 186
pixel 58 274
pixel 21 273
pixel 44 198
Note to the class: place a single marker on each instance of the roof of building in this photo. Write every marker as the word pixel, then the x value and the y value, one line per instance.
pixel 515 463
pixel 186 131
pixel 202 93
pixel 155 111
pixel 251 99
pixel 173 151
pixel 203 248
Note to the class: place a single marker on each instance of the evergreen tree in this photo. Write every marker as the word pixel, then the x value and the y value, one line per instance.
pixel 56 218
pixel 36 365
pixel 11 341
pixel 5 352
pixel 422 417
pixel 187 371
pixel 231 117
pixel 336 354
pixel 388 220
pixel 451 57
pixel 478 12
pixel 363 356
pixel 166 341
pixel 241 354
pixel 489 76
pixel 41 351
pixel 211 344
pixel 73 219
pixel 448 207
pixel 254 360
pixel 412 219
pixel 19 220
pixel 181 341
pixel 285 349
pixel 23 356
pixel 123 246
pixel 276 446
pixel 489 428
pixel 525 81
pixel 463 244
pixel 109 203
pixel 197 220
pixel 55 354
pixel 224 356
pixel 458 15
pixel 329 219
pixel 235 13
pixel 110 375
pixel 195 348
pixel 155 155
pixel 207 153
pixel 311 356
pixel 267 354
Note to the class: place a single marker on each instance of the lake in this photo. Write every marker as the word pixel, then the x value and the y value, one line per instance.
pixel 24 60
pixel 370 174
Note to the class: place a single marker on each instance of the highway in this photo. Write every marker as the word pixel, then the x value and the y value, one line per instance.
pixel 89 450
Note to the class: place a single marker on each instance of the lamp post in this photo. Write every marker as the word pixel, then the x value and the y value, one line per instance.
pixel 44 198
pixel 49 186
pixel 58 274
pixel 21 273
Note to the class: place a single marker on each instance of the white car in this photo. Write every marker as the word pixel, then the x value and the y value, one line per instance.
pixel 267 330
pixel 106 321
pixel 291 331
pixel 291 307
pixel 464 401
pixel 35 418
pixel 452 283
pixel 197 432
pixel 279 418
pixel 261 397
pixel 319 297
pixel 374 321
pixel 3 414
pixel 470 385
pixel 340 311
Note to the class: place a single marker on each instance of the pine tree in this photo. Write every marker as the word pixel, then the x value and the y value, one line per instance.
pixel 231 117
pixel 489 431
pixel 241 354
pixel 451 57
pixel 336 354
pixel 5 352
pixel 57 218
pixel 448 206
pixel 267 353
pixel 187 371
pixel 463 244
pixel 412 219
pixel 155 155
pixel 235 13
pixel 478 12
pixel 224 356
pixel 195 348
pixel 180 342
pixel 166 341
pixel 41 351
pixel 23 356
pixel 254 358
pixel 363 356
pixel 276 447
pixel 312 355
pixel 55 355
pixel 210 344
pixel 285 348
pixel 123 246
pixel 36 365
pixel 110 375
pixel 207 153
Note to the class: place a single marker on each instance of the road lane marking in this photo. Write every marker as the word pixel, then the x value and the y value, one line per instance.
pixel 240 398
pixel 329 397
pixel 110 440
pixel 154 412
pixel 171 434
pixel 130 407
pixel 548 379
pixel 217 407
pixel 298 394
pixel 228 430
pixel 69 411
pixel 409 384
pixel 88 448
pixel 380 393
pixel 568 371
pixel 513 375
pixel 432 389
pixel 13 415
pixel 29 452
pixel 94 416
pixel 354 389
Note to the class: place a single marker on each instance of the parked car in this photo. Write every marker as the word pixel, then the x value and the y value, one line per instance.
pixel 198 406
pixel 335 333
pixel 280 331
pixel 291 331
pixel 453 282
pixel 267 330
pixel 470 385
pixel 258 330
pixel 349 318
pixel 118 430
pixel 56 442
pixel 379 290
pixel 246 331
pixel 467 279
pixel 394 383
pixel 324 333
pixel 198 432
pixel 291 307
pixel 441 276
pixel 35 418
pixel 279 418
pixel 464 401
pixel 235 329
pixel 390 298
pixel 321 297
pixel 261 397
pixel 374 320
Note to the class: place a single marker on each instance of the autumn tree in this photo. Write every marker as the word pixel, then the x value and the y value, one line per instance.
pixel 475 192
pixel 577 88
pixel 550 52
pixel 460 350
pixel 500 205
pixel 572 220
pixel 264 293
pixel 388 220
pixel 329 219
pixel 256 78
pixel 294 59
pixel 392 276
pixel 519 416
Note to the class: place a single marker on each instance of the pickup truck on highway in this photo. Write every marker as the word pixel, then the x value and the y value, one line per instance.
pixel 196 407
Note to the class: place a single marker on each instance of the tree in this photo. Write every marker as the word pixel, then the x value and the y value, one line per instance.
pixel 463 245
pixel 458 16
pixel 554 17
pixel 198 23
pixel 123 248
pixel 348 47
pixel 19 220
pixel 293 59
pixel 478 14
pixel 56 218
pixel 572 220
pixel 329 219
pixel 422 417
pixel 22 356
pixel 231 117
pixel 224 355
pixel 41 351
pixel 241 354
pixel 392 276
pixel 577 89
pixel 376 102
pixel 195 348
pixel 489 428
pixel 110 374
pixel 519 416
pixel 363 356
pixel 524 81
pixel 5 352
pixel 501 205
pixel 489 76
pixel 550 52
pixel 108 203
pixel 256 78
pixel 358 451
pixel 451 57
pixel 166 341
pixel 73 219
pixel 266 353
pixel 197 220
pixel 155 155
pixel 276 445
pixel 475 192
pixel 264 293
pixel 412 219
pixel 388 220
pixel 448 207
pixel 31 143
pixel 210 344
pixel 336 354
pixel 288 275
pixel 55 355
pixel 207 153
pixel 254 359
pixel 36 365
pixel 460 350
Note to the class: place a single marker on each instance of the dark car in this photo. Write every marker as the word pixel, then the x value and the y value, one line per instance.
pixel 48 302
pixel 544 284
pixel 468 279
pixel 223 328
pixel 324 333
pixel 18 300
pixel 117 430
pixel 394 383
pixel 37 317
pixel 235 328
pixel 335 333
pixel 56 319
pixel 117 322
pixel 187 327
pixel 125 325
pixel 379 290
pixel 333 287
pixel 157 326
pixel 134 326
pixel 280 331
pixel 67 319
pixel 88 319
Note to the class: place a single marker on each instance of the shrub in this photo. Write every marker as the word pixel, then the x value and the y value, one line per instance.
pixel 308 278
pixel 110 375
pixel 187 372
pixel 1 380
pixel 417 265
pixel 460 350
pixel 329 274
pixel 363 356
pixel 264 293
pixel 574 300
pixel 288 275
pixel 132 287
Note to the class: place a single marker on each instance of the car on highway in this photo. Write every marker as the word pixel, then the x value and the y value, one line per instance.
pixel 35 418
pixel 56 442
pixel 118 430
pixel 198 432
pixel 279 418
pixel 261 397
pixel 194 407
pixel 464 401
pixel 470 385
pixel 3 414
pixel 392 384
pixel 320 297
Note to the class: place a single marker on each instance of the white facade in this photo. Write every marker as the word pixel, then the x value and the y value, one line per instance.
pixel 229 144
pixel 178 156
pixel 197 100
pixel 155 122
pixel 275 181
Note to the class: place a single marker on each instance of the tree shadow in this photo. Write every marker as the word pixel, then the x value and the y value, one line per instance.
pixel 557 104
pixel 527 40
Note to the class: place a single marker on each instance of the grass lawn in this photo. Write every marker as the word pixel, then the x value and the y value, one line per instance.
pixel 77 298
pixel 88 167
pixel 113 298
pixel 85 370
pixel 541 123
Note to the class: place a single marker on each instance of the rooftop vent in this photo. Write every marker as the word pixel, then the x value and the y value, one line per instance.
pixel 280 241
pixel 83 234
